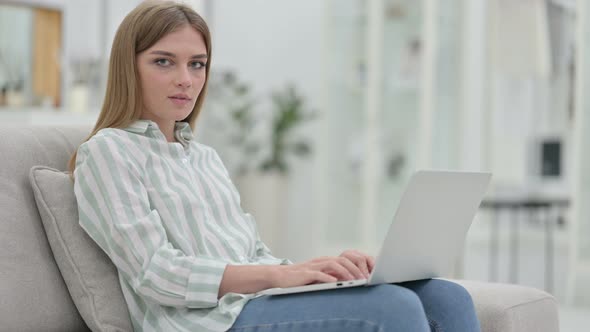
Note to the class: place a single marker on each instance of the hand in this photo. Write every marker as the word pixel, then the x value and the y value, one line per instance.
pixel 363 262
pixel 318 270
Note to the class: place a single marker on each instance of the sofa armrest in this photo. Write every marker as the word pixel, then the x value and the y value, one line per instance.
pixel 512 308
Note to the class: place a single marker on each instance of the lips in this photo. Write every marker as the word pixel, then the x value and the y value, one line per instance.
pixel 180 99
pixel 180 96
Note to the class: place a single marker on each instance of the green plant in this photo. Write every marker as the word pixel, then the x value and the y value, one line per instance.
pixel 248 139
pixel 234 120
pixel 289 112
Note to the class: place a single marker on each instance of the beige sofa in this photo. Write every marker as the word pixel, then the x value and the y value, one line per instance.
pixel 34 295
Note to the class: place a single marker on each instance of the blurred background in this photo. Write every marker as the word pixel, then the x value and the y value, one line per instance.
pixel 322 110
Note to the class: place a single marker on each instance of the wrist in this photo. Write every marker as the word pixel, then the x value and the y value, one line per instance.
pixel 273 275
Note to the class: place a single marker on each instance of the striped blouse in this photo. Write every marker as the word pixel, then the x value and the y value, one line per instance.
pixel 169 217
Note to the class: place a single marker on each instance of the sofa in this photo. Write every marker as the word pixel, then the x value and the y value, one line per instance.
pixel 38 294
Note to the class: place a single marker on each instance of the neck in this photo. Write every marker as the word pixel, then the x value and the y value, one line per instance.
pixel 168 131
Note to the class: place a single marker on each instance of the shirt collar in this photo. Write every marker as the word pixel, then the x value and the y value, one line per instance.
pixel 182 130
pixel 141 126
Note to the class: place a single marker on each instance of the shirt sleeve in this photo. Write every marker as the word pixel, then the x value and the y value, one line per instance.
pixel 264 256
pixel 262 253
pixel 115 211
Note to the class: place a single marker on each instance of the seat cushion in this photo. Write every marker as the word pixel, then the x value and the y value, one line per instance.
pixel 512 308
pixel 90 276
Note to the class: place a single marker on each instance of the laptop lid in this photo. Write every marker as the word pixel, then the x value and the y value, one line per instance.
pixel 428 231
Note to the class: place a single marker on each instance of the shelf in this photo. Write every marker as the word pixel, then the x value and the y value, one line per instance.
pixel 31 116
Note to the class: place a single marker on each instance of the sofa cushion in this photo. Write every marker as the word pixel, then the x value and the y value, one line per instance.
pixel 91 278
pixel 33 295
pixel 512 308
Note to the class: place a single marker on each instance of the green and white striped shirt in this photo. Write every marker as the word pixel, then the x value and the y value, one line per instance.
pixel 169 217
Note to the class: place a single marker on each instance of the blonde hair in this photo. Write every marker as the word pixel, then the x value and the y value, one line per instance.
pixel 142 28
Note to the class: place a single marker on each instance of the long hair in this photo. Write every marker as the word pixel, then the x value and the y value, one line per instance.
pixel 142 28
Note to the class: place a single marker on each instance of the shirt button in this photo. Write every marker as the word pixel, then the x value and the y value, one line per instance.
pixel 184 160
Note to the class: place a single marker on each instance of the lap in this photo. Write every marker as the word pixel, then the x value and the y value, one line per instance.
pixel 345 302
pixel 400 307
pixel 446 304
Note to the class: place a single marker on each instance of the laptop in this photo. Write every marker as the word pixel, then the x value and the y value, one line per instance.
pixel 427 233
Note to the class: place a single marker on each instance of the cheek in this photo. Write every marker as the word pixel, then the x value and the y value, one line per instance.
pixel 152 91
pixel 199 81
pixel 153 84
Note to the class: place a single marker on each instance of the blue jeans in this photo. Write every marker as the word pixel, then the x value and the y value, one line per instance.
pixel 416 306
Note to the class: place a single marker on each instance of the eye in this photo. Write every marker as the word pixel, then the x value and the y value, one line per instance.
pixel 197 65
pixel 162 62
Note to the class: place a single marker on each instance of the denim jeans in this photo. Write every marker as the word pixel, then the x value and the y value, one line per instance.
pixel 416 306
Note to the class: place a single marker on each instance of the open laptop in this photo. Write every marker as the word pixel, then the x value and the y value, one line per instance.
pixel 427 233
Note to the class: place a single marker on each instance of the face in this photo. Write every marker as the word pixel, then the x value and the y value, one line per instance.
pixel 172 74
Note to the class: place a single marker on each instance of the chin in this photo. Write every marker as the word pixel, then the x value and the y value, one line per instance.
pixel 183 116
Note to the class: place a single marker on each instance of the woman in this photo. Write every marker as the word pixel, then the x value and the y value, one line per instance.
pixel 164 210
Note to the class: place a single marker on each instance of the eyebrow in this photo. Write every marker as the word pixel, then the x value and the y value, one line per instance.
pixel 172 55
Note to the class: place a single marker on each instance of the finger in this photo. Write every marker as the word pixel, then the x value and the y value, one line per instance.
pixel 371 263
pixel 363 264
pixel 352 267
pixel 320 277
pixel 360 261
pixel 369 260
pixel 336 269
pixel 332 266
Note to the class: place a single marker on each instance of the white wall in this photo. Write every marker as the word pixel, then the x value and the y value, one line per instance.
pixel 579 291
pixel 116 12
pixel 56 4
pixel 268 44
pixel 82 31
pixel 89 30
pixel 474 80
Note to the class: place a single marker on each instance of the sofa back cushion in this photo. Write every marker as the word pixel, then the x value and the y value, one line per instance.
pixel 90 276
pixel 33 295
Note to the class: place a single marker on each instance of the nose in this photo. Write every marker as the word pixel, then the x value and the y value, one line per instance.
pixel 183 78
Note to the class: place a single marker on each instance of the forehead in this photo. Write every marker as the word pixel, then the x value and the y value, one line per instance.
pixel 185 39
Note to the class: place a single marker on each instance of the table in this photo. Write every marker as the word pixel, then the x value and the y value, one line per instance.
pixel 549 211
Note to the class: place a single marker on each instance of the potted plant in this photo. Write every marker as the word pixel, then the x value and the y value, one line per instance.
pixel 231 121
pixel 85 72
pixel 257 147
pixel 264 188
pixel 289 113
